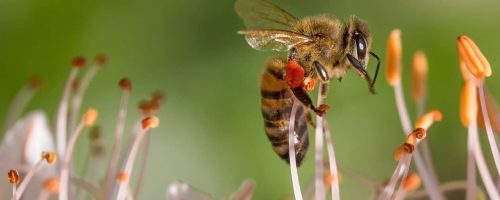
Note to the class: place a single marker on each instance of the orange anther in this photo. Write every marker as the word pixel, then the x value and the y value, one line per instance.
pixel 50 157
pixel 412 182
pixel 426 120
pixel 122 177
pixel 294 74
pixel 90 117
pixel 468 103
pixel 394 48
pixel 51 185
pixel 419 76
pixel 13 177
pixel 473 57
pixel 150 122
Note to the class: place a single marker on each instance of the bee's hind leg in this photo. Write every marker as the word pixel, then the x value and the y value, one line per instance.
pixel 301 94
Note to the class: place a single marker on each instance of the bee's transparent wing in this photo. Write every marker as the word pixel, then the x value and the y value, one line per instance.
pixel 263 14
pixel 277 40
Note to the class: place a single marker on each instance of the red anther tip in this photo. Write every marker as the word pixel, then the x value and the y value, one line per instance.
pixel 158 96
pixel 101 60
pixel 125 84
pixel 79 61
pixel 294 74
pixel 35 83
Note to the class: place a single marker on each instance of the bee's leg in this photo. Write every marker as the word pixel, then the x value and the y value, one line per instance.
pixel 301 94
pixel 359 67
pixel 309 119
pixel 323 74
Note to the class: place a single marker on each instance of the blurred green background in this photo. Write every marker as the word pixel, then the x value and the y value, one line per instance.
pixel 211 132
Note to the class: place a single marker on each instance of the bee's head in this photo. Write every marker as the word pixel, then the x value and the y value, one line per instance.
pixel 358 40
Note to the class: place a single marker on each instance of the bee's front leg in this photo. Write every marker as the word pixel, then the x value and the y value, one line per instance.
pixel 295 79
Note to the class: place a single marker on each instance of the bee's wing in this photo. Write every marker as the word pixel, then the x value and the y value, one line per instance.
pixel 263 14
pixel 277 40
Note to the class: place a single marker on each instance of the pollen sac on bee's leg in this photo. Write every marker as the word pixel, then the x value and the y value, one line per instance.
pixel 294 74
pixel 309 84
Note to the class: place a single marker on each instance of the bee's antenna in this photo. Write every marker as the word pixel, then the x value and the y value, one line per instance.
pixel 378 67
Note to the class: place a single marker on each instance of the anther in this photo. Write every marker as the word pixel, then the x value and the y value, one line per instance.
pixel 51 185
pixel 35 83
pixel 13 177
pixel 419 75
pixel 402 150
pixel 419 133
pixel 79 62
pixel 412 182
pixel 101 60
pixel 468 103
pixel 90 117
pixel 473 57
pixel 125 84
pixel 150 122
pixel 426 120
pixel 122 177
pixel 50 157
pixel 394 48
pixel 158 96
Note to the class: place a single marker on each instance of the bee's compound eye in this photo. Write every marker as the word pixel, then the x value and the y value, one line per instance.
pixel 360 45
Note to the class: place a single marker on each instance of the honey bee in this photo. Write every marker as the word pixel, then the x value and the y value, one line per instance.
pixel 320 48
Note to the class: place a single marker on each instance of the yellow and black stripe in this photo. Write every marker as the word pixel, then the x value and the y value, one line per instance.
pixel 276 103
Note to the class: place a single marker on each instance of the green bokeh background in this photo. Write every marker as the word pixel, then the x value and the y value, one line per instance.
pixel 211 132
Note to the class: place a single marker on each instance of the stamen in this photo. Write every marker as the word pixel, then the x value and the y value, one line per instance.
pixel 126 86
pixel 245 192
pixel 50 157
pixel 493 113
pixel 473 57
pixel 320 187
pixel 291 148
pixel 150 122
pixel 22 98
pixel 76 102
pixel 122 177
pixel 489 132
pixel 468 103
pixel 419 80
pixel 334 185
pixel 13 177
pixel 101 60
pixel 147 124
pixel 412 182
pixel 394 48
pixel 481 164
pixel 79 62
pixel 419 133
pixel 51 185
pixel 89 119
pixel 62 112
pixel 428 119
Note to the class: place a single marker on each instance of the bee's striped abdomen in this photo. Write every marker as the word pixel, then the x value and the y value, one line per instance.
pixel 276 104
